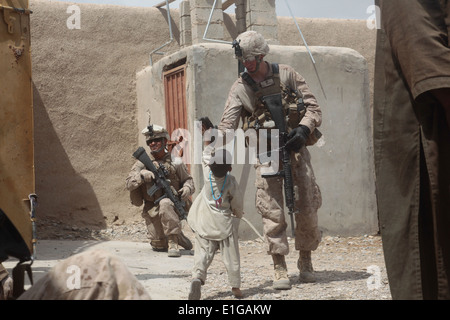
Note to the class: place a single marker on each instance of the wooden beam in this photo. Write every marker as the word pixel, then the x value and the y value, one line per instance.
pixel 162 4
pixel 227 3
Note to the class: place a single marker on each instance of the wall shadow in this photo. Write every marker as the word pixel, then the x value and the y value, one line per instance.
pixel 230 25
pixel 63 194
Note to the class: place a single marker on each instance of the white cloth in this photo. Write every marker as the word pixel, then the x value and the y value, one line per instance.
pixel 204 254
pixel 212 219
pixel 212 222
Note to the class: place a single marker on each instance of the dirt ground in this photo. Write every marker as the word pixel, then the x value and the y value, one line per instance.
pixel 347 268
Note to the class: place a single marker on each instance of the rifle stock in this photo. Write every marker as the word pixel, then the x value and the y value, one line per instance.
pixel 160 183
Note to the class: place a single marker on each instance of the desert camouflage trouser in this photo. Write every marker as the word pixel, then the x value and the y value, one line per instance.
pixel 161 221
pixel 270 204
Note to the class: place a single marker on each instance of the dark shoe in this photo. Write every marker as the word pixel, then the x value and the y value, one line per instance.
pixel 196 290
pixel 237 293
pixel 184 241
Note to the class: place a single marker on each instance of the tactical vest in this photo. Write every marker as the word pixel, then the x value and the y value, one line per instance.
pixel 138 195
pixel 292 101
pixel 294 108
pixel 171 175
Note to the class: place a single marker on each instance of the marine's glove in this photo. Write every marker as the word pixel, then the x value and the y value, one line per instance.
pixel 184 193
pixel 147 175
pixel 297 138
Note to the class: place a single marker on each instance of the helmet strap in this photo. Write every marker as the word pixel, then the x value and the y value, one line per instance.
pixel 163 147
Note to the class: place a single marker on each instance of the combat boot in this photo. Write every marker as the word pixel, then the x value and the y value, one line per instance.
pixel 281 280
pixel 173 250
pixel 184 241
pixel 159 245
pixel 304 264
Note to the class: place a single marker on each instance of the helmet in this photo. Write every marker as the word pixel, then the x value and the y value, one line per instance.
pixel 252 44
pixel 154 131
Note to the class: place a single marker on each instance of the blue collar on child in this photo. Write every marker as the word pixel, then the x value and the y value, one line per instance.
pixel 212 190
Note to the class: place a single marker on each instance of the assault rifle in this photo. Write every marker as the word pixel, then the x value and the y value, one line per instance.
pixel 274 104
pixel 160 182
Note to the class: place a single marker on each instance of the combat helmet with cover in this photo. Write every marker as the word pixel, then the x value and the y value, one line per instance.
pixel 252 44
pixel 153 132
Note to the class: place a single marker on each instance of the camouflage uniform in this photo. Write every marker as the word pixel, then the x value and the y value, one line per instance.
pixel 92 275
pixel 270 200
pixel 102 276
pixel 242 102
pixel 162 220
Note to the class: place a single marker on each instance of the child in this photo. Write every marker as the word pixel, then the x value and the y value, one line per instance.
pixel 210 217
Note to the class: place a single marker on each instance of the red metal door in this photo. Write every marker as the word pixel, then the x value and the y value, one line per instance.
pixel 175 105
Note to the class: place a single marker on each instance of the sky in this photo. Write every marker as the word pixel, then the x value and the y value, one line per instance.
pixel 338 9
